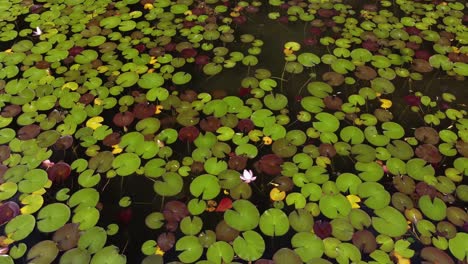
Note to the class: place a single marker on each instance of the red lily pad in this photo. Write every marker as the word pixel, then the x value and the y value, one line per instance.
pixel 59 172
pixel 123 119
pixel 8 211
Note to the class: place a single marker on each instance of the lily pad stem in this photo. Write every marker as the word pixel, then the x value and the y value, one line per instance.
pixel 304 85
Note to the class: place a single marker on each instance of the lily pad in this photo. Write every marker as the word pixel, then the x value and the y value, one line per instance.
pixel 274 222
pixel 249 245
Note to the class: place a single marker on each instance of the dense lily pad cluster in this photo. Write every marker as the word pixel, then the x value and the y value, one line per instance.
pixel 345 153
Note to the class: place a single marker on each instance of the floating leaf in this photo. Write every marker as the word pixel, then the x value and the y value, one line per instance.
pixel 274 222
pixel 52 217
pixel 206 185
pixel 307 245
pixel 390 222
pixel 242 209
pixel 249 246
pixel 190 247
pixel 20 227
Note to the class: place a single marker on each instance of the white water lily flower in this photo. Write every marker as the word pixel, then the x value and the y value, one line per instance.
pixel 248 176
pixel 38 32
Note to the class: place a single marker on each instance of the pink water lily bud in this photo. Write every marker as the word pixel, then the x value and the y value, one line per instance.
pixel 247 176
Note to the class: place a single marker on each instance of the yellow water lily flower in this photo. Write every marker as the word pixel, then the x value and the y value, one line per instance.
pixel 188 13
pixel 9 51
pixel 159 109
pixel 94 122
pixel 277 195
pixel 158 251
pixel 153 60
pixel 234 14
pixel 150 71
pixel 353 200
pixel 116 149
pixel 267 140
pixel 385 103
pixel 97 101
pixel 148 6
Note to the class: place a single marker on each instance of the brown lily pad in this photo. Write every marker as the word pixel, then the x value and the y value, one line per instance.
pixel 462 148
pixel 11 111
pixel 383 115
pixel 188 96
pixel 427 135
pixel 174 211
pixel 5 152
pixel 365 241
pixel 64 142
pixel 429 153
pixel 327 150
pixel 188 133
pixel 29 132
pixel 111 139
pixel 67 236
pixel 333 78
pixel 365 73
pixel 333 102
pixel 8 211
pixel 43 252
pixel 421 65
pixel 225 233
pixel 166 241
pixel 210 124
pixel 123 119
pixel 433 255
pixel 237 162
pixel 144 110
pixel 285 184
pixel 270 164
pixel 59 172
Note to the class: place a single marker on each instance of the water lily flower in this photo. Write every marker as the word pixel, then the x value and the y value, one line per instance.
pixel 38 32
pixel 247 176
pixel 97 101
pixel 47 164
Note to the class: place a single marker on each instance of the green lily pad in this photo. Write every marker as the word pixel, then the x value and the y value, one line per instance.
pixel 43 252
pixel 333 206
pixel 245 210
pixel 375 195
pixel 126 164
pixel 150 80
pixel 370 171
pixel 348 182
pixel 205 185
pixel 108 255
pixel 191 225
pixel 190 247
pixel 93 239
pixel 170 185
pixel 312 104
pixel 87 197
pixel 75 255
pixel 220 252
pixel 418 169
pixel 390 222
pixel 20 227
pixel 87 217
pixel 274 222
pixel 249 246
pixel 456 245
pixel 307 245
pixel 327 122
pixel 154 220
pixel 352 135
pixel 33 180
pixel 434 210
pixel 53 216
